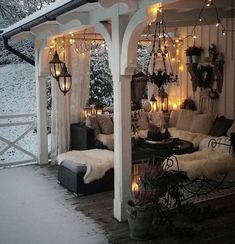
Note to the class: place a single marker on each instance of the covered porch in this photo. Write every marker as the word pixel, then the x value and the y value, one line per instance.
pixel 120 24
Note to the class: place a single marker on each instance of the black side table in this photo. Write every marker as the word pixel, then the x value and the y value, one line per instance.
pixel 82 137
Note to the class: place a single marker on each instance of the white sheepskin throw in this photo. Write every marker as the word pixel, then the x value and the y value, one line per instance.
pixel 97 161
pixel 208 163
pixel 192 137
pixel 219 147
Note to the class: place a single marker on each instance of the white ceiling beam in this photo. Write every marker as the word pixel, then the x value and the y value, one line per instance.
pixel 83 18
pixel 132 4
pixel 46 30
pixel 23 36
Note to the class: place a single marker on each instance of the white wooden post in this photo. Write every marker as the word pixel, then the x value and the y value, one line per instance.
pixel 122 122
pixel 122 146
pixel 41 108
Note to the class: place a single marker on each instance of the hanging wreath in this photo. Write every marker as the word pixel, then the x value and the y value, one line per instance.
pixel 205 76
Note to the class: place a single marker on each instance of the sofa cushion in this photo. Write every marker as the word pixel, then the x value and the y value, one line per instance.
pixel 220 126
pixel 105 124
pixel 231 129
pixel 202 123
pixel 185 119
pixel 174 118
pixel 92 121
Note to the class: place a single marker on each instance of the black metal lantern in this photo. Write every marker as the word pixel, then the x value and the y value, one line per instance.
pixel 56 66
pixel 65 80
pixel 164 100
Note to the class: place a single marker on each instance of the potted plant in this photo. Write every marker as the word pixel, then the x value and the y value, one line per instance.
pixel 194 52
pixel 140 210
pixel 158 193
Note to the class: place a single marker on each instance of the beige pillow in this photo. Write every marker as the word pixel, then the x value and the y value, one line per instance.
pixel 143 120
pixel 231 129
pixel 202 123
pixel 92 121
pixel 174 118
pixel 105 124
pixel 185 119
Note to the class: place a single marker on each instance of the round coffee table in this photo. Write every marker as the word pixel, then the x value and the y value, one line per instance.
pixel 142 149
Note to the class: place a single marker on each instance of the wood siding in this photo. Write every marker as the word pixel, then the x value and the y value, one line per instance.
pixel 207 35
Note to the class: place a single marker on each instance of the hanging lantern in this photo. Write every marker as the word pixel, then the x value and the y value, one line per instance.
pixel 65 80
pixel 164 100
pixel 153 103
pixel 56 66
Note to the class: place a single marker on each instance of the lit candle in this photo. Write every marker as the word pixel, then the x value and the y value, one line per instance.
pixel 174 106
pixel 163 106
pixel 135 187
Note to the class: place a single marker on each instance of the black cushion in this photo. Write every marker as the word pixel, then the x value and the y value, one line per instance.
pixel 220 126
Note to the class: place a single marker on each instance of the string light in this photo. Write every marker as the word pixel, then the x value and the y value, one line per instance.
pixel 208 3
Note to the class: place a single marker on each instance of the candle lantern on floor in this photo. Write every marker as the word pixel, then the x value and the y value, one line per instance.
pixel 87 111
pixel 164 100
pixel 99 110
pixel 153 102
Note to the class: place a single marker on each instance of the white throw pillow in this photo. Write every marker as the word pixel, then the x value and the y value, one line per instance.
pixel 202 123
pixel 185 119
pixel 231 129
pixel 174 118
pixel 157 118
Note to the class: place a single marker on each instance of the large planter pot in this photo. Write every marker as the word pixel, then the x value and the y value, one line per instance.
pixel 196 59
pixel 139 220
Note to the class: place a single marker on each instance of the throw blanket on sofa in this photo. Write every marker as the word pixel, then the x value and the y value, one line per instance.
pixel 97 161
pixel 208 163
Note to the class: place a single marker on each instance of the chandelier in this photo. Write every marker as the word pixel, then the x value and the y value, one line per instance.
pixel 160 53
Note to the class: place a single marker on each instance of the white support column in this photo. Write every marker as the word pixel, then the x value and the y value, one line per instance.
pixel 41 108
pixel 122 122
pixel 122 146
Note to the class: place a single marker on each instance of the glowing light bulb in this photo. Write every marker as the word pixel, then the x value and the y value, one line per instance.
pixel 223 32
pixel 217 24
pixel 195 37
pixel 200 19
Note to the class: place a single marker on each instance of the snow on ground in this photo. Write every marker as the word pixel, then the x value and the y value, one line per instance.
pixel 17 96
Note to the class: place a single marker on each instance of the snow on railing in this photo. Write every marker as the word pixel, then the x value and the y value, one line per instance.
pixel 18 142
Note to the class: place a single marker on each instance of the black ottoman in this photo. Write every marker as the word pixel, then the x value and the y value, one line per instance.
pixel 70 175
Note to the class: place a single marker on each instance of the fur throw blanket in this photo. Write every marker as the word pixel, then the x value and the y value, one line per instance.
pixel 193 137
pixel 208 163
pixel 97 161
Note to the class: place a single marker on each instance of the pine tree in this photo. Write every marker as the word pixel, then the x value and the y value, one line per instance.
pixel 101 85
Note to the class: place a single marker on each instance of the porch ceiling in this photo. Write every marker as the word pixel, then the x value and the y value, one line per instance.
pixel 186 12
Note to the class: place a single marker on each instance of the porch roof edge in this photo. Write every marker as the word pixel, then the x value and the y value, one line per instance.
pixel 46 14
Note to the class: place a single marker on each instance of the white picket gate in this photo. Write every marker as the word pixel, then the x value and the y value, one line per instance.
pixel 13 130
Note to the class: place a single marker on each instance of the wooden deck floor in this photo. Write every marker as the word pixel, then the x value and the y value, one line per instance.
pixel 99 207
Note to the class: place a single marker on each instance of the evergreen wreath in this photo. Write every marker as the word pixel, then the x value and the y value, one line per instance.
pixel 205 76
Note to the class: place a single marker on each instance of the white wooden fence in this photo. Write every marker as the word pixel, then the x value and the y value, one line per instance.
pixel 10 138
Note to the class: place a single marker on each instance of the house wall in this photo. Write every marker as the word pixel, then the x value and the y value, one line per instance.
pixel 207 35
